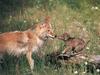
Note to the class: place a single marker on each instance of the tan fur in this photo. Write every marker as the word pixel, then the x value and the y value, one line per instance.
pixel 25 42
pixel 72 44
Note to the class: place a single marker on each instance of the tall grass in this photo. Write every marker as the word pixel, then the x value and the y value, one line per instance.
pixel 66 15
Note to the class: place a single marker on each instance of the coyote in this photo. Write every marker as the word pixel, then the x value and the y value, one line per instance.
pixel 74 45
pixel 19 43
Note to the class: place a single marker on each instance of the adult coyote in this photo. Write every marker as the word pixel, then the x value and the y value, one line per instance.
pixel 25 42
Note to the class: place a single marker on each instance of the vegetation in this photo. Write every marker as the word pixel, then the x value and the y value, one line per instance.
pixel 81 18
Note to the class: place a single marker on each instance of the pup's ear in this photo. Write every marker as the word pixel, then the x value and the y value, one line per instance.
pixel 66 36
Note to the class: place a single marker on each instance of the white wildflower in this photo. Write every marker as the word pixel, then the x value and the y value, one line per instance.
pixel 25 21
pixel 98 70
pixel 87 48
pixel 55 70
pixel 84 72
pixel 92 8
pixel 86 63
pixel 84 29
pixel 56 47
pixel 75 72
pixel 10 16
pixel 95 8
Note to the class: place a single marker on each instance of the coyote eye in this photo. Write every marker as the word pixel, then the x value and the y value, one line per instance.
pixel 48 30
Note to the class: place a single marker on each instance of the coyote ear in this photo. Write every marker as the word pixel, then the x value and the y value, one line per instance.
pixel 46 22
pixel 47 19
pixel 43 25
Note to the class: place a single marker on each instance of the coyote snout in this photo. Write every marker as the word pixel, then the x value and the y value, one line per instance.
pixel 50 34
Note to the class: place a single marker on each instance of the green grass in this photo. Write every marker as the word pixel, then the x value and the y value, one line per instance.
pixel 74 16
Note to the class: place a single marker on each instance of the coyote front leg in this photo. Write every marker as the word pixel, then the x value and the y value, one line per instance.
pixel 30 60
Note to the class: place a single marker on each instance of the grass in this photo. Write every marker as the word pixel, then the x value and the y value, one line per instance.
pixel 79 18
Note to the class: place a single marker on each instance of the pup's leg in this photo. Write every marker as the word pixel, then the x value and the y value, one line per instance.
pixel 68 49
pixel 79 48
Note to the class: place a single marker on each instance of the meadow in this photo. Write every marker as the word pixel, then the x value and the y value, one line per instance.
pixel 81 18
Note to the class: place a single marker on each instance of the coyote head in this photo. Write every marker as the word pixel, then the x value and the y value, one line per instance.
pixel 44 30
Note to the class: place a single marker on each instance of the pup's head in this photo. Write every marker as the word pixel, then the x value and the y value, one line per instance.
pixel 65 36
pixel 44 30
